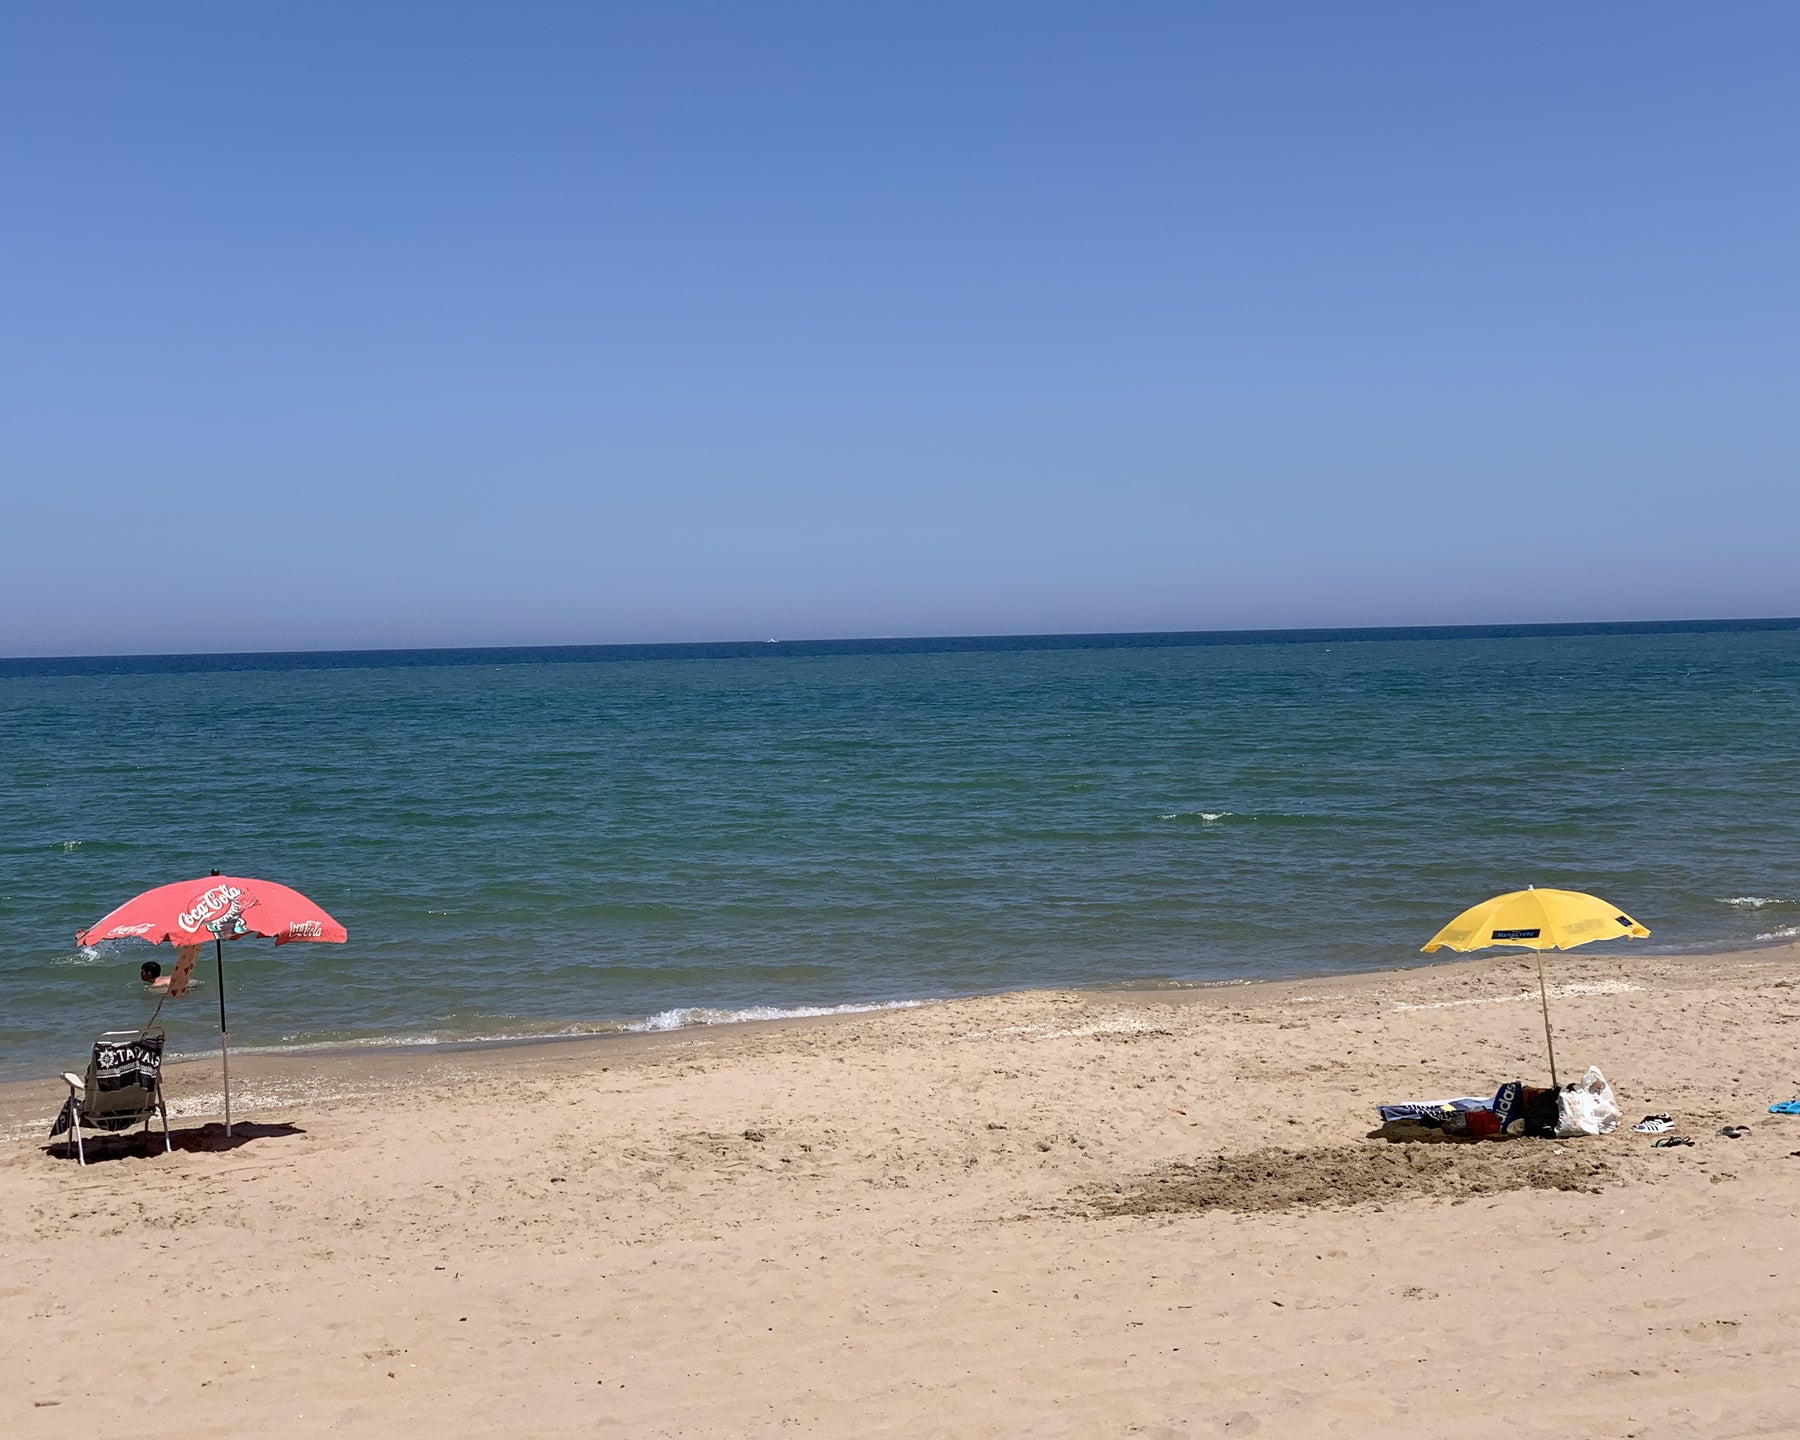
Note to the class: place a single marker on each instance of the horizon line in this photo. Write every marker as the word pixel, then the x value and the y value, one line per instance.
pixel 421 655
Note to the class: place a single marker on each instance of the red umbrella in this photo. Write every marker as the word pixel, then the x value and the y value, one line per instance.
pixel 219 907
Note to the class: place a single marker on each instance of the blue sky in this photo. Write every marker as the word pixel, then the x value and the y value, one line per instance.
pixel 336 325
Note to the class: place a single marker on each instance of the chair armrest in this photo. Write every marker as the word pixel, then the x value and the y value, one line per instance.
pixel 74 1081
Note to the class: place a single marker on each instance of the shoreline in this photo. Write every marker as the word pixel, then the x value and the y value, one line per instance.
pixel 289 1077
pixel 645 1026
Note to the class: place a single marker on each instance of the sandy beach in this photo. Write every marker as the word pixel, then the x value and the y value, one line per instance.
pixel 1043 1214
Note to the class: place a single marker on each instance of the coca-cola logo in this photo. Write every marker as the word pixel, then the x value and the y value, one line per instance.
pixel 306 930
pixel 120 931
pixel 220 897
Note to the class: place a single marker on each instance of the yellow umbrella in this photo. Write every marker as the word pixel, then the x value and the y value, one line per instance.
pixel 1537 920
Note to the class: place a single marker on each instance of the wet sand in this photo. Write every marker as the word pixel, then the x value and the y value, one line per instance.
pixel 1059 1214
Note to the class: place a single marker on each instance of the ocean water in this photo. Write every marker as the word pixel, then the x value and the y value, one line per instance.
pixel 540 842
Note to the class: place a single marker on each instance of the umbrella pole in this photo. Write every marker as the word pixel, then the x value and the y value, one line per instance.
pixel 1544 1000
pixel 225 1038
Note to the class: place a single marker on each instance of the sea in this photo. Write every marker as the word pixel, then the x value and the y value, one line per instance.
pixel 548 842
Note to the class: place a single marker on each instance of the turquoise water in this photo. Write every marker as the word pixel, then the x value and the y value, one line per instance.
pixel 558 843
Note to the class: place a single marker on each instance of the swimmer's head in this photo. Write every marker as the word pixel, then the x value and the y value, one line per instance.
pixel 148 971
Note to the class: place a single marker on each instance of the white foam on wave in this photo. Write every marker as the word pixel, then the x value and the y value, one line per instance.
pixel 1206 817
pixel 686 1016
pixel 681 1018
pixel 1790 933
pixel 1753 902
pixel 309 1047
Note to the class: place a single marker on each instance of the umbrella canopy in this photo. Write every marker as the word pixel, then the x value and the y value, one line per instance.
pixel 1537 920
pixel 218 908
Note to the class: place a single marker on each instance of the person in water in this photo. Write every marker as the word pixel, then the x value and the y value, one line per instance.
pixel 175 984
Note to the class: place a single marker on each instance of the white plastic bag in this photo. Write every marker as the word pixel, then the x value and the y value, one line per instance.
pixel 1587 1107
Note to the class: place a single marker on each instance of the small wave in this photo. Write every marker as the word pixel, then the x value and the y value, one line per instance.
pixel 1234 818
pixel 686 1016
pixel 1789 933
pixel 307 1047
pixel 296 1046
pixel 1753 902
pixel 681 1018
pixel 68 845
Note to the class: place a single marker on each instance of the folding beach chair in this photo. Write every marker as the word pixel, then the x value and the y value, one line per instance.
pixel 123 1086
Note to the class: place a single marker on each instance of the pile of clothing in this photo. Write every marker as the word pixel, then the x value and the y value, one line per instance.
pixel 1516 1109
pixel 1582 1107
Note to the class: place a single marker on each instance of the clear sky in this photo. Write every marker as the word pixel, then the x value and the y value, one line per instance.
pixel 344 325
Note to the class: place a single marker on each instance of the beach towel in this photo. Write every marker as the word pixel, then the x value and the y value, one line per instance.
pixel 1430 1111
pixel 130 1065
pixel 1507 1105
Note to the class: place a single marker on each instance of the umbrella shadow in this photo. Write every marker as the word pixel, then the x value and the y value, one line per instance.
pixel 209 1139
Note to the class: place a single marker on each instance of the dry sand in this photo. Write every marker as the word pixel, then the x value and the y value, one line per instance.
pixel 1049 1214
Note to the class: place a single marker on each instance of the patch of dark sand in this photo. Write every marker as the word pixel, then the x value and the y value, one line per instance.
pixel 1335 1176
